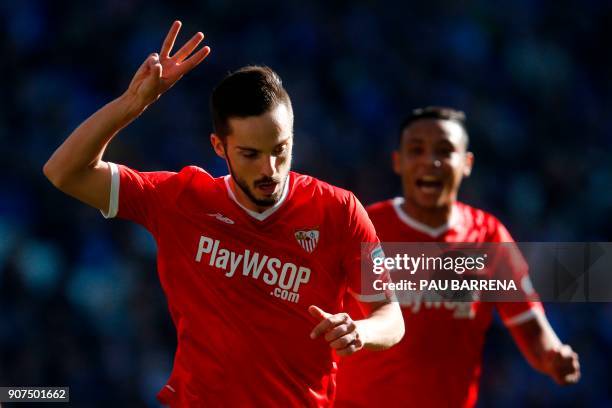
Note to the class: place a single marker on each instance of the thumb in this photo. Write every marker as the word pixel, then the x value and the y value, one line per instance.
pixel 317 312
pixel 144 69
pixel 150 60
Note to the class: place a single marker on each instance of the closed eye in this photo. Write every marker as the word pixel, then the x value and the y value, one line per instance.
pixel 444 152
pixel 249 155
pixel 414 150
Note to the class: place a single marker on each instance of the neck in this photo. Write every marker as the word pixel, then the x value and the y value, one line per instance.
pixel 432 217
pixel 244 200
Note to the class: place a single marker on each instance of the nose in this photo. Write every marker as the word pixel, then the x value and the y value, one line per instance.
pixel 269 166
pixel 431 159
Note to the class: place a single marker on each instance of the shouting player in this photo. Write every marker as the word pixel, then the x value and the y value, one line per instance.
pixel 254 264
pixel 439 364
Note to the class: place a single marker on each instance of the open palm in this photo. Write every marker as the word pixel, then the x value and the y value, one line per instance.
pixel 160 71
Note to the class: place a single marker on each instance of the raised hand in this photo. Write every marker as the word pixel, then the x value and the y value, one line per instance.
pixel 339 329
pixel 160 71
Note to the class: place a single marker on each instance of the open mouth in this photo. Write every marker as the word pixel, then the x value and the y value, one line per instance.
pixel 267 187
pixel 429 184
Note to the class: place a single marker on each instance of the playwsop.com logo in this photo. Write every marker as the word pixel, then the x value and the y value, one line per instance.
pixel 285 277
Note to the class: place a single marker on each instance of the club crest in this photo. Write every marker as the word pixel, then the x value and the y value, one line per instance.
pixel 307 239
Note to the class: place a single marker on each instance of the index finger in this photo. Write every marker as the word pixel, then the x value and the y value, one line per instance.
pixel 170 38
pixel 328 323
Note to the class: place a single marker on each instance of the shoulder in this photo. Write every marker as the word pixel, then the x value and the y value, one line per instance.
pixel 380 208
pixel 195 181
pixel 191 172
pixel 312 187
pixel 481 219
pixel 185 175
pixel 190 181
pixel 339 204
pixel 194 175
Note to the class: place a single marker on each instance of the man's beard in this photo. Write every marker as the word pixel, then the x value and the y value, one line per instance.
pixel 260 202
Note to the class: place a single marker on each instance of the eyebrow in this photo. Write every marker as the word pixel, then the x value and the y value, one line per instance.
pixel 416 139
pixel 445 142
pixel 249 149
pixel 252 149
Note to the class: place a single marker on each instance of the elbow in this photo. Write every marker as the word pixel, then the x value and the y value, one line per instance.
pixel 52 174
pixel 47 170
pixel 398 324
pixel 398 333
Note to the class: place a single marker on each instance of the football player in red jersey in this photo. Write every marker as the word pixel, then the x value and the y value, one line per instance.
pixel 255 264
pixel 439 363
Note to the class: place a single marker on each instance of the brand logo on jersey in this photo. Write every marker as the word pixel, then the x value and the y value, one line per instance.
pixel 308 239
pixel 285 278
pixel 221 218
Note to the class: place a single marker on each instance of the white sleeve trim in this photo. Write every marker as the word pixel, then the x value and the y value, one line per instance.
pixel 113 206
pixel 523 317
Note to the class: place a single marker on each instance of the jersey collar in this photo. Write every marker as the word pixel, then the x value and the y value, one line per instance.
pixel 397 203
pixel 262 215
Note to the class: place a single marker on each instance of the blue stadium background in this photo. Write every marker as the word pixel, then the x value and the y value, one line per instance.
pixel 80 304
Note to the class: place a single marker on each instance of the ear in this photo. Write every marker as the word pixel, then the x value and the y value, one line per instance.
pixel 469 164
pixel 217 145
pixel 395 162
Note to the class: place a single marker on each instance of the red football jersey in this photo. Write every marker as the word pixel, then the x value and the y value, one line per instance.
pixel 239 283
pixel 438 362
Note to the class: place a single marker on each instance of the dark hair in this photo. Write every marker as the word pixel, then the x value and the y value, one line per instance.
pixel 248 91
pixel 435 112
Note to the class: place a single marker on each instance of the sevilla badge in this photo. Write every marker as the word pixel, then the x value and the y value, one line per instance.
pixel 307 239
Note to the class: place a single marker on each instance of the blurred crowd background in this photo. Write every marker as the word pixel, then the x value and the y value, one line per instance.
pixel 80 304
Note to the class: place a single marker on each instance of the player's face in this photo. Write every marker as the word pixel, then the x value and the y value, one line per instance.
pixel 432 160
pixel 258 154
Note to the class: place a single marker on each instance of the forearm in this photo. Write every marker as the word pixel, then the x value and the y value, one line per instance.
pixel 383 328
pixel 76 167
pixel 536 354
pixel 545 352
pixel 84 148
pixel 535 339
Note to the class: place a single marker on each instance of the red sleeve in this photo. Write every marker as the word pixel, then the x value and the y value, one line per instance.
pixel 362 247
pixel 139 196
pixel 515 267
